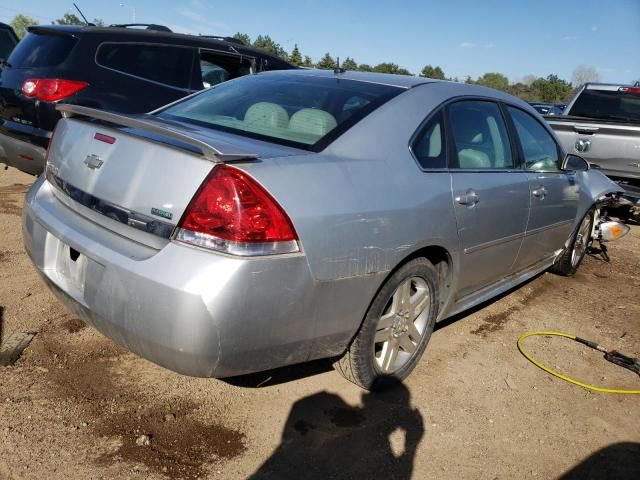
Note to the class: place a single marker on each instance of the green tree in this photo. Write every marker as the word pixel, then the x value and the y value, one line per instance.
pixel 264 42
pixel 295 58
pixel 349 64
pixel 388 67
pixel 243 37
pixel 552 89
pixel 365 67
pixel 20 23
pixel 327 62
pixel 307 62
pixel 468 80
pixel 494 80
pixel 69 19
pixel 98 22
pixel 432 72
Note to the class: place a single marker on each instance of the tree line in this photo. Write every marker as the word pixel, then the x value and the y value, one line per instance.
pixel 551 89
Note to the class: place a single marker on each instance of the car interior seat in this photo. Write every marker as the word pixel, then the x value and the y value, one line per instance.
pixel 267 114
pixel 312 121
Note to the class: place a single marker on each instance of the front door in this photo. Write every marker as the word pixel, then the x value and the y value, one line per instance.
pixel 554 193
pixel 490 194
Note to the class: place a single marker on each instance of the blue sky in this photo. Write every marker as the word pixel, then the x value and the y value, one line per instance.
pixel 464 37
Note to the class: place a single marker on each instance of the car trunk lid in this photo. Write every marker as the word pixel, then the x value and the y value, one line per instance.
pixel 133 174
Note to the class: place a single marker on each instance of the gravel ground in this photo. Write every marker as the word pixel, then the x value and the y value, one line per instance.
pixel 78 406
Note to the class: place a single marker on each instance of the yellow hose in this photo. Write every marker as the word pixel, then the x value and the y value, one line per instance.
pixel 558 374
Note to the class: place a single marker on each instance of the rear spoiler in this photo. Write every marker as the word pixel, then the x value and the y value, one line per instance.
pixel 208 151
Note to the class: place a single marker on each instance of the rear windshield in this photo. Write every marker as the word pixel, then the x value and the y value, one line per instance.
pixel 41 50
pixel 298 110
pixel 607 105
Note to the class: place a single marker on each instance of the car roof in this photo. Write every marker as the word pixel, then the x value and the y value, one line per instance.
pixel 143 33
pixel 403 81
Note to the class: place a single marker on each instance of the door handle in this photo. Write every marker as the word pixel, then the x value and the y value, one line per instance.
pixel 540 192
pixel 469 199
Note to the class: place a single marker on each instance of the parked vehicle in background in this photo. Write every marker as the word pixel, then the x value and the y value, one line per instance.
pixel 117 68
pixel 546 108
pixel 8 41
pixel 602 124
pixel 294 215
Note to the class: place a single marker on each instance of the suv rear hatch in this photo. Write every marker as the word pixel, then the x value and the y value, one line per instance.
pixel 41 54
pixel 136 175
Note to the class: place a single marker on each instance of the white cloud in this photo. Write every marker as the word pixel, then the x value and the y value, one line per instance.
pixel 198 23
pixel 489 45
pixel 191 15
pixel 594 28
pixel 467 45
pixel 569 38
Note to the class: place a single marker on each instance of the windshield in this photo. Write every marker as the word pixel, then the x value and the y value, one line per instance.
pixel 607 105
pixel 300 110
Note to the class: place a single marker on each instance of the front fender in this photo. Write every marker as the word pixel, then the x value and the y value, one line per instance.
pixel 595 188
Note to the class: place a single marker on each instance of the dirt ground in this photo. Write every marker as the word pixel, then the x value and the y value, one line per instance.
pixel 74 405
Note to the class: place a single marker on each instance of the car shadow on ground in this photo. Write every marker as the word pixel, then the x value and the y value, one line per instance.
pixel 620 461
pixel 324 437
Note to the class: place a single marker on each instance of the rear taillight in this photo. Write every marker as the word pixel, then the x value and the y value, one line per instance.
pixel 634 90
pixel 51 89
pixel 234 214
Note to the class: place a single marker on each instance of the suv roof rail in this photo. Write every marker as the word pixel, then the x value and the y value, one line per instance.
pixel 148 26
pixel 226 39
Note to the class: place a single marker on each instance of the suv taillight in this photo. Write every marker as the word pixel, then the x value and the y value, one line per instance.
pixel 51 89
pixel 232 213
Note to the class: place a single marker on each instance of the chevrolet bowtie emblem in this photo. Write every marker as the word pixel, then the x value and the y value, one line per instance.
pixel 93 162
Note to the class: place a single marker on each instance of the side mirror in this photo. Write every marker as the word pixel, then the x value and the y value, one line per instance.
pixel 575 163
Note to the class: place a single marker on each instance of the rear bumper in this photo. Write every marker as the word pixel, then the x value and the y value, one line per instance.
pixel 192 311
pixel 24 156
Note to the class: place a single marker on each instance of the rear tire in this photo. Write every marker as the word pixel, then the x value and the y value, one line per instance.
pixel 395 330
pixel 568 262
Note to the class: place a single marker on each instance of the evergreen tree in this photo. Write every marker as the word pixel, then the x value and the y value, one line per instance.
pixel 69 19
pixel 243 37
pixel 295 58
pixel 307 62
pixel 349 64
pixel 432 72
pixel 327 62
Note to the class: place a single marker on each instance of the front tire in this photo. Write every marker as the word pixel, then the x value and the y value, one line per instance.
pixel 567 264
pixel 395 330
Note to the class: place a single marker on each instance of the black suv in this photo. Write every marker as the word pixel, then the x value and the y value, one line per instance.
pixel 117 68
pixel 8 40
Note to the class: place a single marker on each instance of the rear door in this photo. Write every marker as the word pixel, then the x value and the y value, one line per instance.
pixel 554 193
pixel 148 76
pixel 490 193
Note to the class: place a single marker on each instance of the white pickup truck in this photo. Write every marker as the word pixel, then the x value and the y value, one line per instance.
pixel 602 125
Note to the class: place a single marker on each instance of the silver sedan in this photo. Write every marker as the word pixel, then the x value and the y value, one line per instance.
pixel 296 215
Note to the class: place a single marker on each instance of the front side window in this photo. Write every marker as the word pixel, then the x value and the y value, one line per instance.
pixel 539 148
pixel 300 110
pixel 429 146
pixel 480 136
pixel 159 63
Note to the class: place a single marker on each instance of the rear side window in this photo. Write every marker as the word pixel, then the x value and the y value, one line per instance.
pixel 539 148
pixel 429 146
pixel 480 136
pixel 159 63
pixel 41 50
pixel 607 105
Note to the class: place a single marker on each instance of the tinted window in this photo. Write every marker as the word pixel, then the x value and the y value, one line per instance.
pixel 163 64
pixel 540 150
pixel 300 110
pixel 37 50
pixel 216 68
pixel 607 105
pixel 480 135
pixel 429 146
pixel 7 42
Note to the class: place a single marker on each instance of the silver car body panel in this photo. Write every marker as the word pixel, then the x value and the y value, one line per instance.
pixel 360 208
